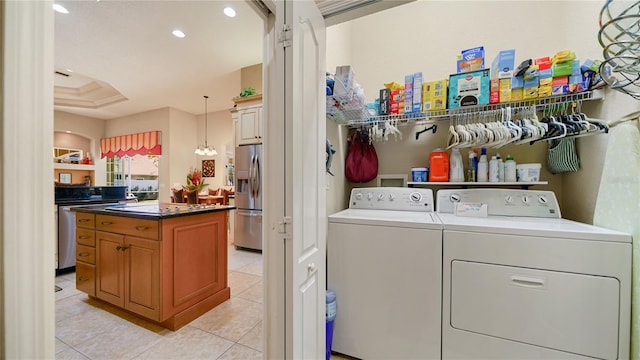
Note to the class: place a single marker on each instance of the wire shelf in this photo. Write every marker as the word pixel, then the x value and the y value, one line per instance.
pixel 440 115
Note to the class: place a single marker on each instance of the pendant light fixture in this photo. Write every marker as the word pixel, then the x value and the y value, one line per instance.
pixel 205 150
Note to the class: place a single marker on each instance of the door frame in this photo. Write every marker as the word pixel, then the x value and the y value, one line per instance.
pixel 28 271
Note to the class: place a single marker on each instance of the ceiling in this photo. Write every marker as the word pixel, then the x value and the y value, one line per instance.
pixel 116 58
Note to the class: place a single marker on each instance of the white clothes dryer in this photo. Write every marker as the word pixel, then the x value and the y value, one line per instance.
pixel 384 262
pixel 523 283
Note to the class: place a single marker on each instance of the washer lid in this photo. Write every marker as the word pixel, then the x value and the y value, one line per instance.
pixel 551 228
pixel 410 219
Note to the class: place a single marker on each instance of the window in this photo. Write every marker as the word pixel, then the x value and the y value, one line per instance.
pixel 138 172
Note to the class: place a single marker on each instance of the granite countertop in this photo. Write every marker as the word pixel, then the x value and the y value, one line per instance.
pixel 153 210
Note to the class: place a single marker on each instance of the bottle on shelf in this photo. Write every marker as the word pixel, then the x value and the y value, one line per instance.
pixel 439 166
pixel 456 170
pixel 493 169
pixel 510 169
pixel 500 168
pixel 471 171
pixel 483 167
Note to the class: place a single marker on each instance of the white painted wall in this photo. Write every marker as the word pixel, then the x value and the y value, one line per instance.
pixel 180 143
pixel 220 136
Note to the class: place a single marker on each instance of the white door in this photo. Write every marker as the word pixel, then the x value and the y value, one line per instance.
pixel 294 198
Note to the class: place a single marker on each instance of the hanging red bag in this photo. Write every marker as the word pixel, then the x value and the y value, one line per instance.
pixel 361 164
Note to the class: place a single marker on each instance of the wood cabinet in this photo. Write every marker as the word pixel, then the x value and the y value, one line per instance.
pixel 128 273
pixel 169 270
pixel 85 253
pixel 247 120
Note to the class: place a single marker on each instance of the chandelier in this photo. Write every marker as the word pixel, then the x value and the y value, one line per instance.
pixel 205 150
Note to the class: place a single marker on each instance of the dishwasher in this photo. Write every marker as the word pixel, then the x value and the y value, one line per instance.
pixel 67 236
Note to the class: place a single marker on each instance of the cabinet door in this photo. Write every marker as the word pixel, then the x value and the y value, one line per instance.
pixel 249 127
pixel 142 276
pixel 109 267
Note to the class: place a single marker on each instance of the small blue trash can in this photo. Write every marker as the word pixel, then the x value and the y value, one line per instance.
pixel 330 313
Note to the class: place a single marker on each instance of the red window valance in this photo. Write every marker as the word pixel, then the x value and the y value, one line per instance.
pixel 146 143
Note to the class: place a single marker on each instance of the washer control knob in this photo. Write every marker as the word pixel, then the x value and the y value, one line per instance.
pixel 358 196
pixel 455 197
pixel 391 197
pixel 380 197
pixel 415 196
pixel 542 199
pixel 508 199
pixel 369 196
pixel 526 199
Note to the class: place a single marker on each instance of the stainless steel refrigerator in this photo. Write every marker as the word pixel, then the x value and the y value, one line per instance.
pixel 248 221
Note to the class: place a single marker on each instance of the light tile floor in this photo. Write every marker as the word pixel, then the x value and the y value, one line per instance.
pixel 87 329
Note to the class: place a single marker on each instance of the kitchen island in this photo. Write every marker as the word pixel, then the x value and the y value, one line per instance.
pixel 164 262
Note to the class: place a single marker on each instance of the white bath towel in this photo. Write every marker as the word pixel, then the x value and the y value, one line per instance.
pixel 618 206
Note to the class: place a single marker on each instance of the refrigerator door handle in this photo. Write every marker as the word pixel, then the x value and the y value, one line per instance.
pixel 254 187
pixel 249 179
pixel 256 175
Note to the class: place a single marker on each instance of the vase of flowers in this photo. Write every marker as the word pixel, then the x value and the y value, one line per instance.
pixel 195 180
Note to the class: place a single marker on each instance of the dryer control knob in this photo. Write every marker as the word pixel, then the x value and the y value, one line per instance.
pixel 508 199
pixel 542 199
pixel 526 199
pixel 358 196
pixel 415 196
pixel 391 197
pixel 369 196
pixel 455 197
pixel 380 197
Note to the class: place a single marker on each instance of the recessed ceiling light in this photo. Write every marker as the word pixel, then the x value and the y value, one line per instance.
pixel 177 33
pixel 229 12
pixel 61 9
pixel 69 70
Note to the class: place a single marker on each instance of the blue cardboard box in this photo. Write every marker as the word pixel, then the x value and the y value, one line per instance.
pixel 468 89
pixel 471 60
pixel 503 65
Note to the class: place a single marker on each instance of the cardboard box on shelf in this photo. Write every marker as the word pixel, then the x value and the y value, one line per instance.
pixel 544 63
pixel 517 82
pixel 396 102
pixel 434 95
pixel 517 94
pixel 471 60
pixel 417 93
pixel 504 64
pixel 530 93
pixel 505 95
pixel 468 89
pixel 494 91
pixel 408 93
pixel 385 101
pixel 544 91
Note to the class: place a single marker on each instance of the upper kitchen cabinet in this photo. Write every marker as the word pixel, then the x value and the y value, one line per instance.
pixel 247 120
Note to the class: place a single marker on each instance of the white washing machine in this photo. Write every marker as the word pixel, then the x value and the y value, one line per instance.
pixel 384 262
pixel 523 283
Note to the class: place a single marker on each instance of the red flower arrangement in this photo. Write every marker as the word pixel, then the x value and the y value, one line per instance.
pixel 194 180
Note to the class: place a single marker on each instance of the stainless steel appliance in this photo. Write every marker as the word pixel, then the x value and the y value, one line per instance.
pixel 248 197
pixel 68 197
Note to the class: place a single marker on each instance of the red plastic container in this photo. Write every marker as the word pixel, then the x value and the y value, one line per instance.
pixel 439 166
